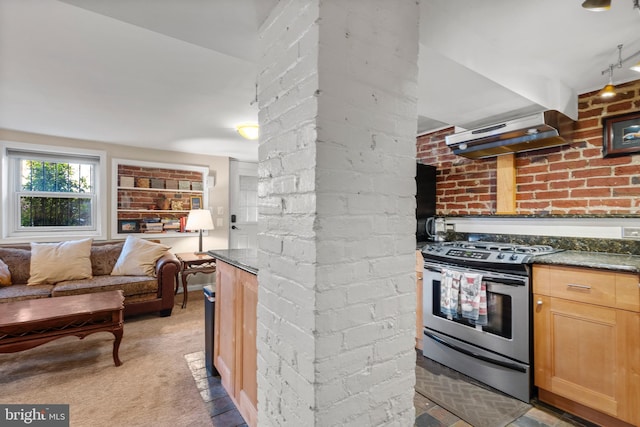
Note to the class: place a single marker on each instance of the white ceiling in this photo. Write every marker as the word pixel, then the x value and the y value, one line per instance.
pixel 180 74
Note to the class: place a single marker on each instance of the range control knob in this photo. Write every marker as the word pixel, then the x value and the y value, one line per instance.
pixel 513 257
pixel 500 255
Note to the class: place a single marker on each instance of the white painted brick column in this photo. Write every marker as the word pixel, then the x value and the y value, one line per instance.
pixel 336 302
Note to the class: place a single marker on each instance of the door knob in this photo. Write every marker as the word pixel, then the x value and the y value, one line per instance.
pixel 233 227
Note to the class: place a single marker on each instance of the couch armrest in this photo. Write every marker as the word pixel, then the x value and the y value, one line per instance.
pixel 167 269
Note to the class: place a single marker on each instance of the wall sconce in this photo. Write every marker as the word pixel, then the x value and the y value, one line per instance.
pixel 249 130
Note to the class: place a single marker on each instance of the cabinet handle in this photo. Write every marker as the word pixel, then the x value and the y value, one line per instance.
pixel 539 302
pixel 574 285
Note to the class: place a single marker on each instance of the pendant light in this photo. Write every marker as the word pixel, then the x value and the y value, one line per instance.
pixel 609 90
pixel 597 5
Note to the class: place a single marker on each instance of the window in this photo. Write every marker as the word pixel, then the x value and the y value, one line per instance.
pixel 52 192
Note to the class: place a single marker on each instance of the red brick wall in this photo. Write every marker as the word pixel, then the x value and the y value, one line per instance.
pixel 141 200
pixel 572 179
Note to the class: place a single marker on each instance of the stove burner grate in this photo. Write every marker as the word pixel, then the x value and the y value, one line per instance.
pixel 501 247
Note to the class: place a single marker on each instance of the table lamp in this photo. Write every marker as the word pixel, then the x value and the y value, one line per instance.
pixel 199 219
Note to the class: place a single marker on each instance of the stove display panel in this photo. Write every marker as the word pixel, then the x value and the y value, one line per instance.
pixel 465 253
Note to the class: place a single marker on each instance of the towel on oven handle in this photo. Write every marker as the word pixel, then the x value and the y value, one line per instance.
pixel 449 292
pixel 483 319
pixel 473 298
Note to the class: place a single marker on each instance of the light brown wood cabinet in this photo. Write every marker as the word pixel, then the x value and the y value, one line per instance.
pixel 587 342
pixel 235 352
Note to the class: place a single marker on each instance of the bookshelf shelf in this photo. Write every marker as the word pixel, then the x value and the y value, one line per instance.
pixel 145 186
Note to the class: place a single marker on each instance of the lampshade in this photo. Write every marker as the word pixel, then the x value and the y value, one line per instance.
pixel 199 219
pixel 597 5
pixel 249 130
pixel 608 91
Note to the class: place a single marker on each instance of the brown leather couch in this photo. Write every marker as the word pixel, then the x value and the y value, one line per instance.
pixel 143 294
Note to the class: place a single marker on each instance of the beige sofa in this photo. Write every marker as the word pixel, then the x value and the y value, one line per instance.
pixel 143 293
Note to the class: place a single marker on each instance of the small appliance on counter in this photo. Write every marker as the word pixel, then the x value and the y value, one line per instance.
pixel 436 229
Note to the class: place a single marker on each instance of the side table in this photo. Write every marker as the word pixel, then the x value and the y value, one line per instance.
pixel 192 263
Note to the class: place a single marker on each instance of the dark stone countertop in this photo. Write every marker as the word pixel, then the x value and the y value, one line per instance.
pixel 602 260
pixel 244 259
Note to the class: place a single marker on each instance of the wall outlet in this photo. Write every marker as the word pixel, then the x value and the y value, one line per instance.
pixel 631 232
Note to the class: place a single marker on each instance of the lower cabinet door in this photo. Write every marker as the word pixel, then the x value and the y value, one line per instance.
pixel 225 325
pixel 588 354
pixel 247 378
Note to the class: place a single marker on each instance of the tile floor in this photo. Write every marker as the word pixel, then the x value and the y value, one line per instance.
pixel 222 410
pixel 428 414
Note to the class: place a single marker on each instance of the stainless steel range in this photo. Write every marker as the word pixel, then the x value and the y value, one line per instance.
pixel 477 318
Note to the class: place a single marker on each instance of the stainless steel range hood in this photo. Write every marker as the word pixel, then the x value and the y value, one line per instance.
pixel 537 131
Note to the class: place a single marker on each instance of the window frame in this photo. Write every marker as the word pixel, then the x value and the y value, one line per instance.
pixel 10 224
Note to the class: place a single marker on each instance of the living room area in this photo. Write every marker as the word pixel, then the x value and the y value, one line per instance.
pixel 80 200
pixel 140 377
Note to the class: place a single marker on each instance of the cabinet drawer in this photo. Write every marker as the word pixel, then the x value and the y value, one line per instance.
pixel 601 287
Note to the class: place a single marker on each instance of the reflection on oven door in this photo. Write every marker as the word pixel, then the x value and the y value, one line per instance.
pixel 507 328
pixel 509 376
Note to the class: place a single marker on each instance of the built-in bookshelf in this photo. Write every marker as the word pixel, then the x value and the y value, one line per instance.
pixel 154 199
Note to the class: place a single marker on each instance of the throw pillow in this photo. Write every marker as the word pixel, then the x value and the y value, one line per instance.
pixel 55 262
pixel 18 261
pixel 5 274
pixel 104 257
pixel 138 257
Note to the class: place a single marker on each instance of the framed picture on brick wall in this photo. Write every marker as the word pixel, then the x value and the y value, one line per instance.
pixel 196 202
pixel 621 135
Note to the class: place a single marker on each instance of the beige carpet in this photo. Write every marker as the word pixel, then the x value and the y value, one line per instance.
pixel 152 387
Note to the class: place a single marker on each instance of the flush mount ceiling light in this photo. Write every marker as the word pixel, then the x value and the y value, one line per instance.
pixel 248 130
pixel 597 5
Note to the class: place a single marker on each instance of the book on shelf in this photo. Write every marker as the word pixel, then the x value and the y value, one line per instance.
pixel 152 227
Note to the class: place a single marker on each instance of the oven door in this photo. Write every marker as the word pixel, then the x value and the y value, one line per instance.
pixel 507 330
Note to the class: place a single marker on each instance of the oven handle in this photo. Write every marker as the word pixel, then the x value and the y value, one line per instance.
pixel 504 279
pixel 508 365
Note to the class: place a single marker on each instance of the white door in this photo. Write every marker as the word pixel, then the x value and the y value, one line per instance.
pixel 243 205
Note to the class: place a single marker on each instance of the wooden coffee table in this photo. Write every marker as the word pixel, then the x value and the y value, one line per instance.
pixel 30 323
